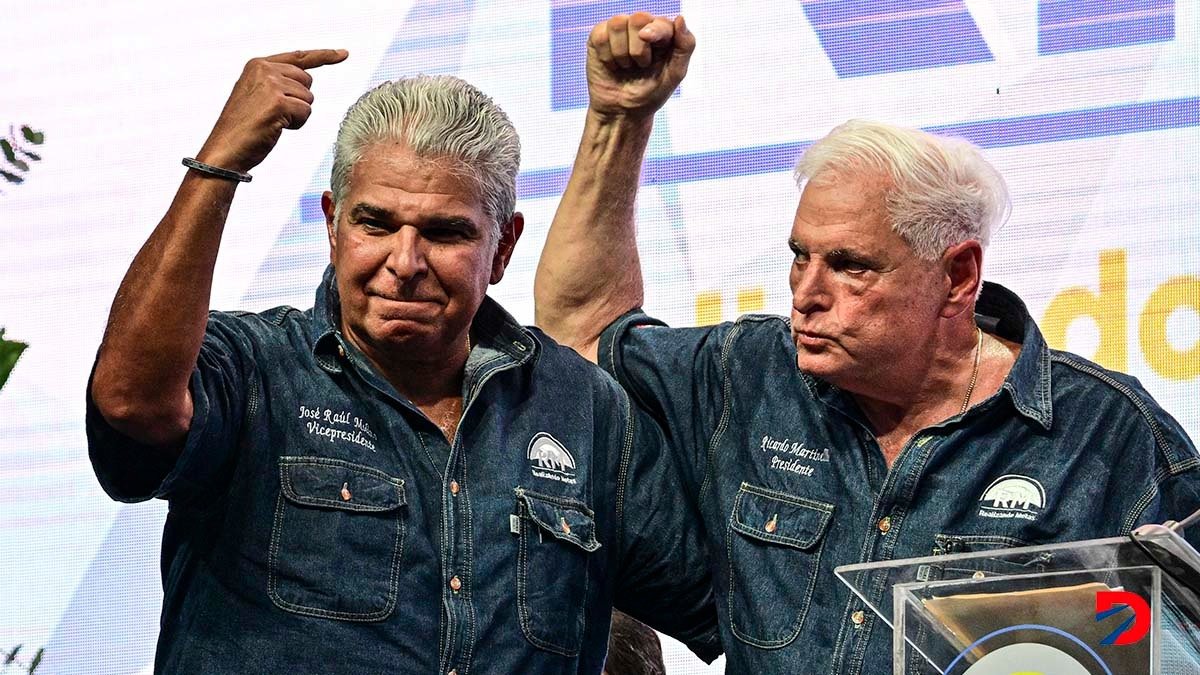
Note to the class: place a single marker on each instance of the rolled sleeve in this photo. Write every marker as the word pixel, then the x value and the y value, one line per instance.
pixel 130 471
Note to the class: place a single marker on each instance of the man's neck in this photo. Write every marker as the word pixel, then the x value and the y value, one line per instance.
pixel 951 383
pixel 425 380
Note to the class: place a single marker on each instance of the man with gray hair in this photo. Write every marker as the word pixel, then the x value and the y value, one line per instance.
pixel 400 479
pixel 907 408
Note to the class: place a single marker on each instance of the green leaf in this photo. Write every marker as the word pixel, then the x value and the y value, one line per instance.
pixel 35 137
pixel 11 177
pixel 11 656
pixel 31 155
pixel 37 660
pixel 8 149
pixel 10 351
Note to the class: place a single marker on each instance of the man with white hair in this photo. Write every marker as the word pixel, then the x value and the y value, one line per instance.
pixel 906 408
pixel 401 479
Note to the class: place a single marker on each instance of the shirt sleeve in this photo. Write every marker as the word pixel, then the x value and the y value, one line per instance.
pixel 676 375
pixel 130 471
pixel 664 578
pixel 1172 486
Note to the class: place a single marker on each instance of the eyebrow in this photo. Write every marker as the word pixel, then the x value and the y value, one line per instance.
pixel 362 209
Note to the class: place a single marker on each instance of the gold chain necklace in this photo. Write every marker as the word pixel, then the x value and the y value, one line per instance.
pixel 974 371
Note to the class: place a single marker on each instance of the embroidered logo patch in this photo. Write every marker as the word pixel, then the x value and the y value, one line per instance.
pixel 1013 496
pixel 549 459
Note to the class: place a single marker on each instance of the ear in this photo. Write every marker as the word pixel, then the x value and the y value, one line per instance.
pixel 962 265
pixel 327 206
pixel 510 232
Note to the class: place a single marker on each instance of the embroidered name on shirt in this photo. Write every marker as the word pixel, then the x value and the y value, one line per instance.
pixel 549 459
pixel 793 456
pixel 1013 496
pixel 338 425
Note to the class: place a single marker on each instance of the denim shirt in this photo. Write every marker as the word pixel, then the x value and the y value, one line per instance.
pixel 792 482
pixel 320 523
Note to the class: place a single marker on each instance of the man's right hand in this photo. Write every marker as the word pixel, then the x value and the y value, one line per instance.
pixel 271 95
pixel 635 62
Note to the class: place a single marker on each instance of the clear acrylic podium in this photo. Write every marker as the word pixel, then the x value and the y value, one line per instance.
pixel 1033 611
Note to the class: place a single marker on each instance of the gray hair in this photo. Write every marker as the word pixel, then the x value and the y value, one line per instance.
pixel 942 191
pixel 437 117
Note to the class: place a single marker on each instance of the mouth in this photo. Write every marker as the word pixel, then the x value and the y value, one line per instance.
pixel 808 338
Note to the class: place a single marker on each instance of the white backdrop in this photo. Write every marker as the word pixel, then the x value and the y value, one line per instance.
pixel 1091 109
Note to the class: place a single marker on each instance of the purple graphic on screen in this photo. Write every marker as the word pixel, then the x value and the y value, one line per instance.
pixel 1081 25
pixel 873 37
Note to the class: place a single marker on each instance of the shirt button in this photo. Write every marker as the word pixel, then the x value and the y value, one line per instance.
pixel 341 351
pixel 453 487
pixel 455 584
pixel 452 672
pixel 858 618
pixel 772 524
pixel 885 524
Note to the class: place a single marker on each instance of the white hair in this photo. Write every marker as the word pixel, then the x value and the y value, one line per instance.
pixel 438 117
pixel 939 191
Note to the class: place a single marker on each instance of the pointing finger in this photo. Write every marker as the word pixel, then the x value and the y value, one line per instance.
pixel 311 58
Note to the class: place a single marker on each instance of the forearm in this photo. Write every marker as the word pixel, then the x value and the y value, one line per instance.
pixel 157 321
pixel 589 273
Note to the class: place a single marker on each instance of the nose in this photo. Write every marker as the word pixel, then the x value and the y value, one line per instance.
pixel 810 290
pixel 406 259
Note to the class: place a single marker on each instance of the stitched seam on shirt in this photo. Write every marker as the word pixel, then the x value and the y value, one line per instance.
pixel 470 561
pixel 1138 403
pixel 623 472
pixel 726 406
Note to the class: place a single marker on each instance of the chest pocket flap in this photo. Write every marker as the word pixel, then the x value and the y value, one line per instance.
pixel 780 518
pixel 338 484
pixel 565 519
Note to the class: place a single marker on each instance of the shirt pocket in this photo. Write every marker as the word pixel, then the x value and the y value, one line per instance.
pixel 774 548
pixel 958 544
pixel 337 539
pixel 555 539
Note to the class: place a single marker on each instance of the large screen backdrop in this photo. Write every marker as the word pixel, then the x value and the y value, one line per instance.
pixel 1090 109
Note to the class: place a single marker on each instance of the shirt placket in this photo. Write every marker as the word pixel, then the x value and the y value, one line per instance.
pixel 458 636
pixel 884 529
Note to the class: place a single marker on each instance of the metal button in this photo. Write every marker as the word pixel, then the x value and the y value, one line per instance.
pixel 346 492
pixel 885 524
pixel 452 672
pixel 858 618
pixel 978 574
pixel 772 524
pixel 341 351
pixel 453 487
pixel 455 584
pixel 563 523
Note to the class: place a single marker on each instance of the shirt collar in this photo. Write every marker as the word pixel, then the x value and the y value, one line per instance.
pixel 493 329
pixel 998 311
pixel 1001 312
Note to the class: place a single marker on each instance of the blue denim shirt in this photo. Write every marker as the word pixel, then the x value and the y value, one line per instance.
pixel 792 483
pixel 320 523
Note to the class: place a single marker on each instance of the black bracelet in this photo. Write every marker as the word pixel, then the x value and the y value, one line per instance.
pixel 227 174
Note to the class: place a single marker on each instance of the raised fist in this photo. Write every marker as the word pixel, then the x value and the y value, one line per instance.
pixel 271 95
pixel 635 62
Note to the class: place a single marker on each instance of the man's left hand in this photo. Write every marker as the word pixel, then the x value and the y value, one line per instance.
pixel 635 62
